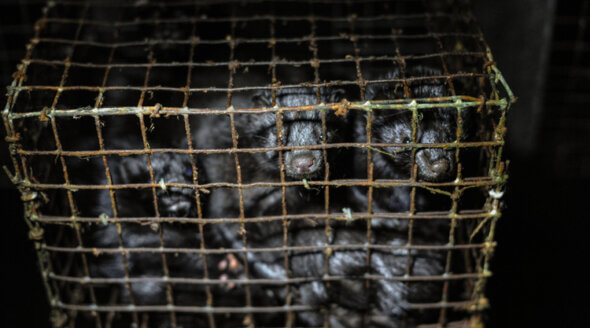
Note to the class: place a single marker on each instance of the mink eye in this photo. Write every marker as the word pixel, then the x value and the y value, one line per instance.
pixel 188 171
pixel 406 140
pixel 328 137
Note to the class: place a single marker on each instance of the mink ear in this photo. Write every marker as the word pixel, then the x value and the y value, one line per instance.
pixel 335 95
pixel 384 91
pixel 132 169
pixel 262 99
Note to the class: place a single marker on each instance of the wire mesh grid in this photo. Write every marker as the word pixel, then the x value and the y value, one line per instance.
pixel 261 163
pixel 566 93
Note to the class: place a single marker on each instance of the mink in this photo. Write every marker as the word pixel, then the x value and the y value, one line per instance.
pixel 300 128
pixel 392 126
pixel 433 125
pixel 172 202
pixel 347 296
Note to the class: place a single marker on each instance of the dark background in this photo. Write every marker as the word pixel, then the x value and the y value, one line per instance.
pixel 543 49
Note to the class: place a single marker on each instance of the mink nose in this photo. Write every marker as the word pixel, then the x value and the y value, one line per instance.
pixel 175 202
pixel 179 209
pixel 434 164
pixel 440 166
pixel 302 164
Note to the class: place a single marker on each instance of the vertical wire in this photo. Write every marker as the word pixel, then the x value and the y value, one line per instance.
pixel 108 176
pixel 315 63
pixel 401 62
pixel 70 196
pixel 369 135
pixel 249 319
pixel 472 253
pixel 453 220
pixel 195 171
pixel 280 131
pixel 147 148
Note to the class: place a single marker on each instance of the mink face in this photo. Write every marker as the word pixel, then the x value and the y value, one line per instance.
pixel 299 128
pixel 402 127
pixel 167 168
pixel 433 126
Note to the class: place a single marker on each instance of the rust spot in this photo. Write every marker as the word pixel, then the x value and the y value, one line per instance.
pixel 28 196
pixel 341 109
pixel 156 110
pixel 233 66
pixel 14 138
pixel 315 63
pixel 44 116
pixel 36 233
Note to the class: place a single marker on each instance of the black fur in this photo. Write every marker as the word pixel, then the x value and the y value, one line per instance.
pixel 350 300
pixel 434 126
pixel 300 128
pixel 172 201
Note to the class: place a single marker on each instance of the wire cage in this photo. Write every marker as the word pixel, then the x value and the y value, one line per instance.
pixel 278 163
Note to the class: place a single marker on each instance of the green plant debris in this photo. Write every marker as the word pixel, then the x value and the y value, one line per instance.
pixel 438 191
pixel 347 213
pixel 104 218
pixel 306 184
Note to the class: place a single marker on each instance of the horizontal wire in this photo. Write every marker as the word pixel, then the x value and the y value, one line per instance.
pixel 377 183
pixel 237 309
pixel 342 145
pixel 239 41
pixel 333 247
pixel 270 282
pixel 205 19
pixel 220 89
pixel 434 215
pixel 113 3
pixel 276 61
pixel 407 104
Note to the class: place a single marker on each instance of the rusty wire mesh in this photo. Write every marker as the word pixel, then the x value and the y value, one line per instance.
pixel 104 84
